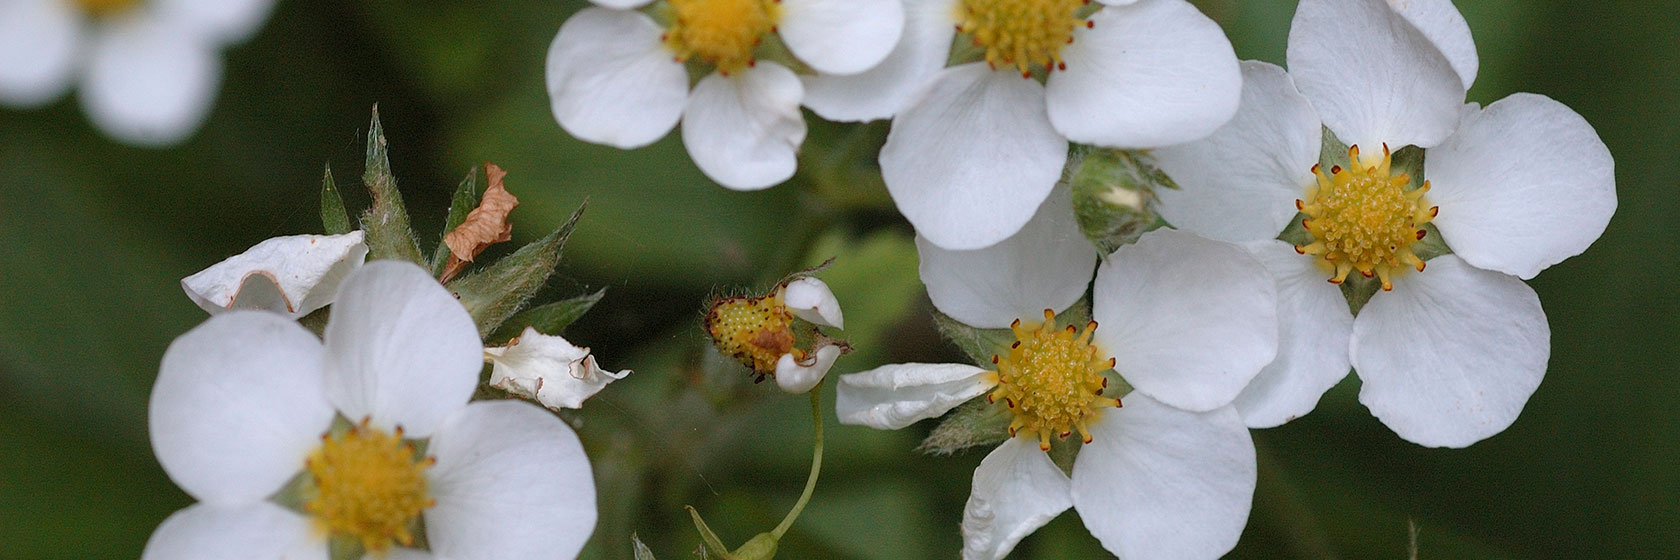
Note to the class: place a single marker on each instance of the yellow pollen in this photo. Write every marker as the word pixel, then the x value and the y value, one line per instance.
pixel 369 485
pixel 722 33
pixel 755 331
pixel 98 8
pixel 1364 219
pixel 1022 33
pixel 1052 381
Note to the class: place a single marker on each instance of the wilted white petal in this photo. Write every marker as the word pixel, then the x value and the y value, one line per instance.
pixel 840 36
pixel 810 299
pixel 744 131
pixel 1016 490
pixel 293 275
pixel 549 369
pixel 797 378
pixel 148 83
pixel 400 349
pixel 897 395
pixel 611 81
pixel 38 46
pixel 237 405
pixel 257 530
pixel 511 481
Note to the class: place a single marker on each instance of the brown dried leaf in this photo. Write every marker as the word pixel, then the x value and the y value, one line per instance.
pixel 487 224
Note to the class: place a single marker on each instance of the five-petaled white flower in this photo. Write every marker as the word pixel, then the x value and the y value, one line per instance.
pixel 148 69
pixel 1449 352
pixel 1186 322
pixel 293 275
pixel 245 402
pixel 617 77
pixel 975 148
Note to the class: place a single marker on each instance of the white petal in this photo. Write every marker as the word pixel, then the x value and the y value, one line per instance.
pixel 238 403
pixel 301 271
pixel 1046 265
pixel 1189 320
pixel 1241 183
pixel 882 91
pixel 841 36
pixel 149 83
pixel 253 531
pixel 228 21
pixel 810 299
pixel 621 4
pixel 1314 326
pixel 1016 490
pixel 1150 74
pixel 1158 482
pixel 1522 185
pixel 38 46
pixel 897 395
pixel 399 553
pixel 611 81
pixel 511 481
pixel 798 378
pixel 1440 21
pixel 1450 356
pixel 1117 2
pixel 549 369
pixel 744 131
pixel 1373 77
pixel 400 349
pixel 971 159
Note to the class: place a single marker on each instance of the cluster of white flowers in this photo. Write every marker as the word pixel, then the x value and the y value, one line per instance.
pixel 148 70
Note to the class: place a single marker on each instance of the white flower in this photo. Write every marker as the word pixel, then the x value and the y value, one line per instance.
pixel 549 369
pixel 1451 354
pixel 1185 321
pixel 293 275
pixel 975 148
pixel 617 77
pixel 148 69
pixel 244 402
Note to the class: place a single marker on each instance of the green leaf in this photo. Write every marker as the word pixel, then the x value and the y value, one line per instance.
pixel 548 318
pixel 334 219
pixel 1113 192
pixel 492 295
pixel 463 203
pixel 386 222
pixel 641 550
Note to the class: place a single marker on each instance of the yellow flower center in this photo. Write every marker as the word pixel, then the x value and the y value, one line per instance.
pixel 369 485
pixel 1022 33
pixel 722 33
pixel 755 331
pixel 1364 219
pixel 1052 380
pixel 98 8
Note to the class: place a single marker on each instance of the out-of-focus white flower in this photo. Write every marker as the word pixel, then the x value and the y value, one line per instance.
pixel 148 69
pixel 975 148
pixel 1448 353
pixel 760 332
pixel 617 77
pixel 246 402
pixel 549 369
pixel 1185 321
pixel 292 275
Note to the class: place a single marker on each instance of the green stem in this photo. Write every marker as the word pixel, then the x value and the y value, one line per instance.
pixel 816 464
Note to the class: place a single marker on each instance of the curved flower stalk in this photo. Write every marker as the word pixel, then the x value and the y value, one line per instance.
pixel 619 77
pixel 245 406
pixel 976 147
pixel 1166 469
pixel 1449 352
pixel 147 70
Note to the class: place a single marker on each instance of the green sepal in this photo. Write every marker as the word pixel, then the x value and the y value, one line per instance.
pixel 493 294
pixel 712 544
pixel 463 203
pixel 334 219
pixel 549 318
pixel 641 551
pixel 386 222
pixel 1113 196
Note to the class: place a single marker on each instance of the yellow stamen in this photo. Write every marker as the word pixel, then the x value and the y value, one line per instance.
pixel 1052 380
pixel 99 8
pixel 1363 218
pixel 369 485
pixel 722 33
pixel 1022 33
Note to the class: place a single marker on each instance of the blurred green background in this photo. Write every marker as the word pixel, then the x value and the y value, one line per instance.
pixel 97 236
